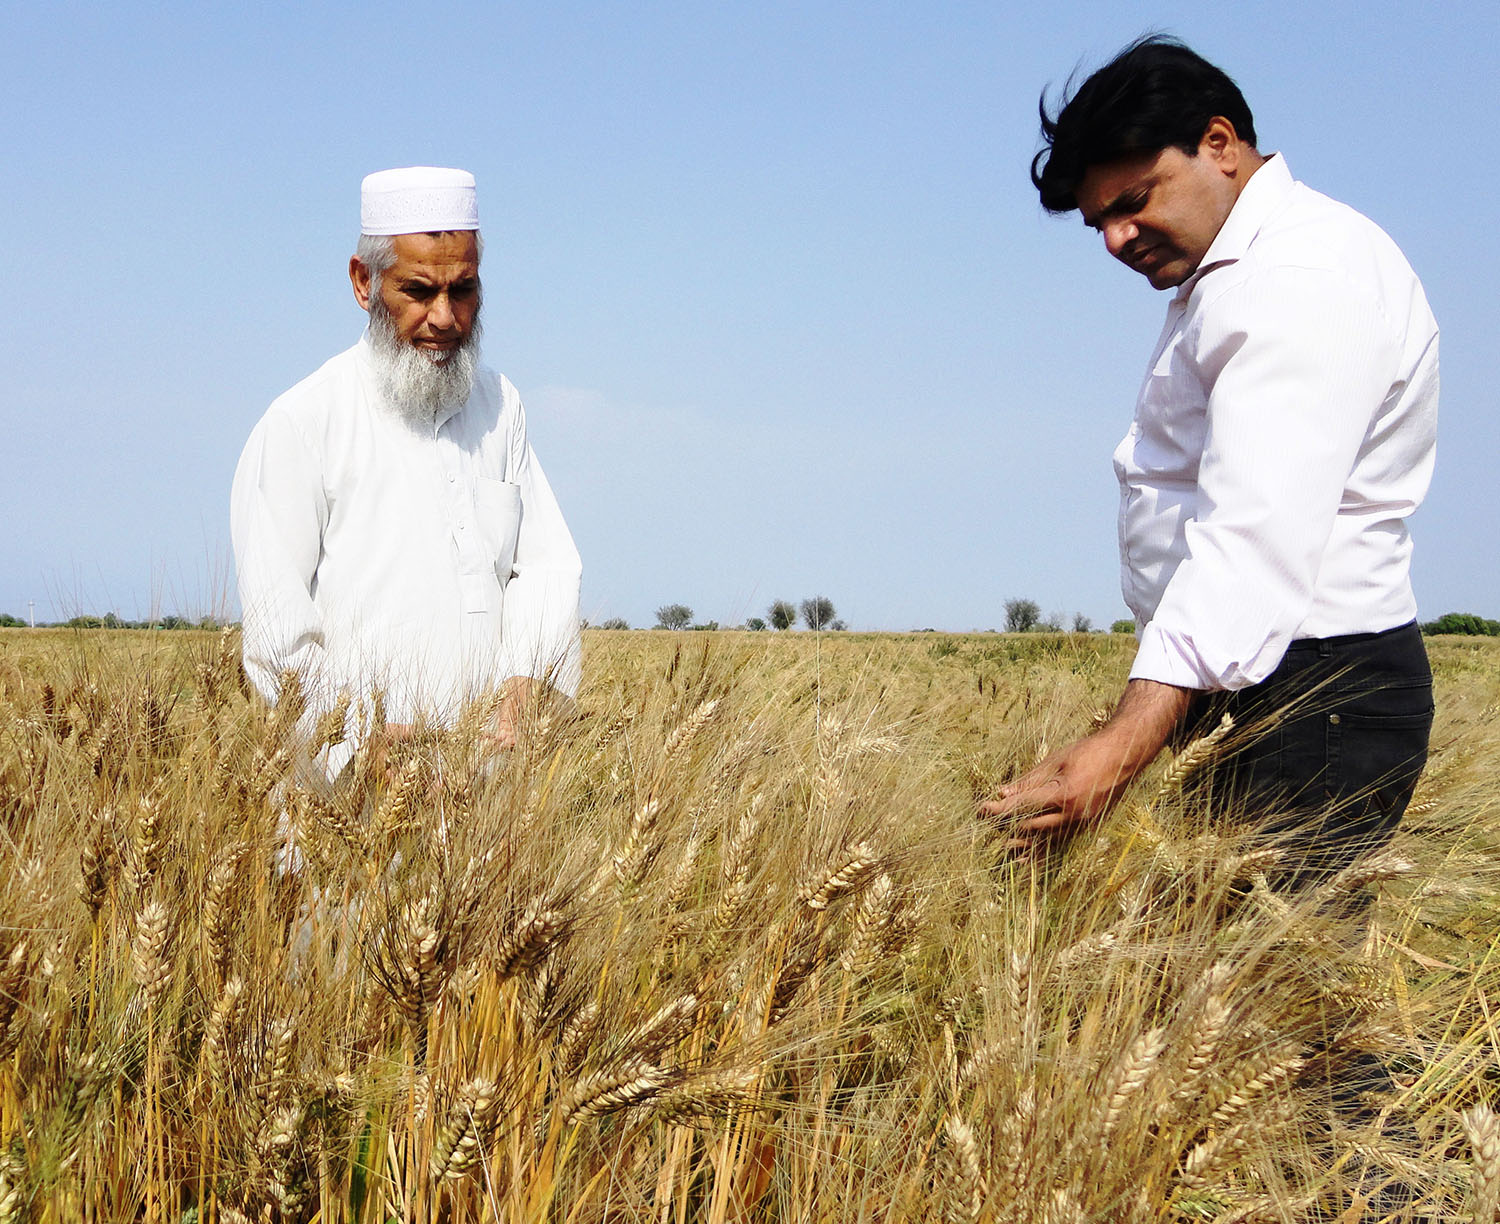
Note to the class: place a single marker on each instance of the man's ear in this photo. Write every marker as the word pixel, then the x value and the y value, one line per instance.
pixel 1221 144
pixel 359 280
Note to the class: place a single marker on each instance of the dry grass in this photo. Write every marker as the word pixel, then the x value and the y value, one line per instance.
pixel 723 943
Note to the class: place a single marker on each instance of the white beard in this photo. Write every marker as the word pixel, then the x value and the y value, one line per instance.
pixel 417 385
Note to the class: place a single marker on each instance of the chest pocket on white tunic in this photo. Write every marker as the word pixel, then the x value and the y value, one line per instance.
pixel 497 503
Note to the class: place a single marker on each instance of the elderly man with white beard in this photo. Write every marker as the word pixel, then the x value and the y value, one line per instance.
pixel 393 531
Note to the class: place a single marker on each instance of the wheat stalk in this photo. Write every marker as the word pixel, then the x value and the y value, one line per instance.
pixel 291 703
pixel 95 863
pixel 711 1094
pixel 1063 1208
pixel 735 867
pixel 634 858
pixel 524 947
pixel 1256 1077
pixel 331 727
pixel 331 818
pixel 668 1026
pixel 682 737
pixel 858 866
pixel 227 1010
pixel 1207 1160
pixel 399 805
pixel 1203 1043
pixel 218 912
pixel 15 1199
pixel 13 979
pixel 286 1161
pixel 466 1131
pixel 577 1033
pixel 1483 1127
pixel 1192 758
pixel 148 844
pixel 964 1182
pixel 619 1087
pixel 1129 1077
pixel 150 969
pixel 872 924
pixel 1375 868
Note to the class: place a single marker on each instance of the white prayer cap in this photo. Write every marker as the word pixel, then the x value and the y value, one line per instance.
pixel 417 200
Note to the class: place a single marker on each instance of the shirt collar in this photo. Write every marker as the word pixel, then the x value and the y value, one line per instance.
pixel 1261 196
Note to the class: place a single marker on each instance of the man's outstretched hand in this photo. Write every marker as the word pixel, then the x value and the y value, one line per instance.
pixel 519 695
pixel 1082 781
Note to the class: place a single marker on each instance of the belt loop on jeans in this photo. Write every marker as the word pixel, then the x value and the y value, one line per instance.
pixel 1325 648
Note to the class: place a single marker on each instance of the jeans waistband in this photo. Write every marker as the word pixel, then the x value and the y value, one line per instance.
pixel 1350 639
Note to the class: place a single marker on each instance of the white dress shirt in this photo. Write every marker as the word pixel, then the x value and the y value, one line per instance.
pixel 1284 431
pixel 430 565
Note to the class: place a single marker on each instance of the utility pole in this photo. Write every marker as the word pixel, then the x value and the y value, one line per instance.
pixel 31 603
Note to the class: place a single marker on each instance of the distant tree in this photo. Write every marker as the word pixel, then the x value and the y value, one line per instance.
pixel 755 623
pixel 674 616
pixel 1021 615
pixel 7 621
pixel 817 612
pixel 174 622
pixel 705 625
pixel 615 622
pixel 1462 622
pixel 782 614
pixel 1122 626
pixel 1082 624
pixel 839 626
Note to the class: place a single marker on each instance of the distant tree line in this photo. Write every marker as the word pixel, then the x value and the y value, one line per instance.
pixel 111 621
pixel 816 612
pixel 1025 616
pixel 1462 622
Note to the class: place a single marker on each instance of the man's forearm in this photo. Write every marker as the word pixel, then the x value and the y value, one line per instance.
pixel 1080 783
pixel 1147 714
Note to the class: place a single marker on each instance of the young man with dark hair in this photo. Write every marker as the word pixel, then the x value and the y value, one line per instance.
pixel 1283 434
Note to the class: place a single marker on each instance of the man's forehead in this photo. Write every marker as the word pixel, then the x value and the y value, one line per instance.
pixel 436 250
pixel 1103 185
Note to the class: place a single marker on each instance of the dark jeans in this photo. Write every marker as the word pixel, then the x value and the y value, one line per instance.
pixel 1330 747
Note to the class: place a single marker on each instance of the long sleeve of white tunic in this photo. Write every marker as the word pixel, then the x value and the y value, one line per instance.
pixel 429 565
pixel 1283 434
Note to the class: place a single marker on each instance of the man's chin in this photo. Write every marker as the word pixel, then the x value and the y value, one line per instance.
pixel 1170 274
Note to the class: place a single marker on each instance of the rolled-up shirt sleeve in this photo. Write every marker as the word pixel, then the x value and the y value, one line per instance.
pixel 540 623
pixel 277 514
pixel 1299 363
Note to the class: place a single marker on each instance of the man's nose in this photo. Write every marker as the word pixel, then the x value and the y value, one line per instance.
pixel 1118 235
pixel 440 316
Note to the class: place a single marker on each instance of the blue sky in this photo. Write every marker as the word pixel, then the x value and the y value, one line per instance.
pixel 771 278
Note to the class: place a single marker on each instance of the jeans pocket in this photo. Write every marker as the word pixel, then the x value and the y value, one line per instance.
pixel 1374 760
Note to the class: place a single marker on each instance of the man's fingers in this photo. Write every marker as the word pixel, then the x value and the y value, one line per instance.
pixel 1047 822
pixel 1023 803
pixel 1032 779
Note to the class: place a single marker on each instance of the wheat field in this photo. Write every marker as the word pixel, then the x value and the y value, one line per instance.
pixel 722 942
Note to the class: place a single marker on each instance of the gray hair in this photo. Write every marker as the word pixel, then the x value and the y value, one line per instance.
pixel 378 252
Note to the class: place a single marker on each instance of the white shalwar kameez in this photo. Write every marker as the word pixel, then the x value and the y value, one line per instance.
pixel 430 565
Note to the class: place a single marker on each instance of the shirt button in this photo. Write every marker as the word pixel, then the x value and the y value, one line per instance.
pixel 451 477
pixel 1333 719
pixel 461 526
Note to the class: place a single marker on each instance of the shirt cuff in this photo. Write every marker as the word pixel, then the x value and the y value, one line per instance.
pixel 1170 658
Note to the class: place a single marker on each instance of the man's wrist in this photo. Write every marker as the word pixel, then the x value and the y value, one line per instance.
pixel 1147 714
